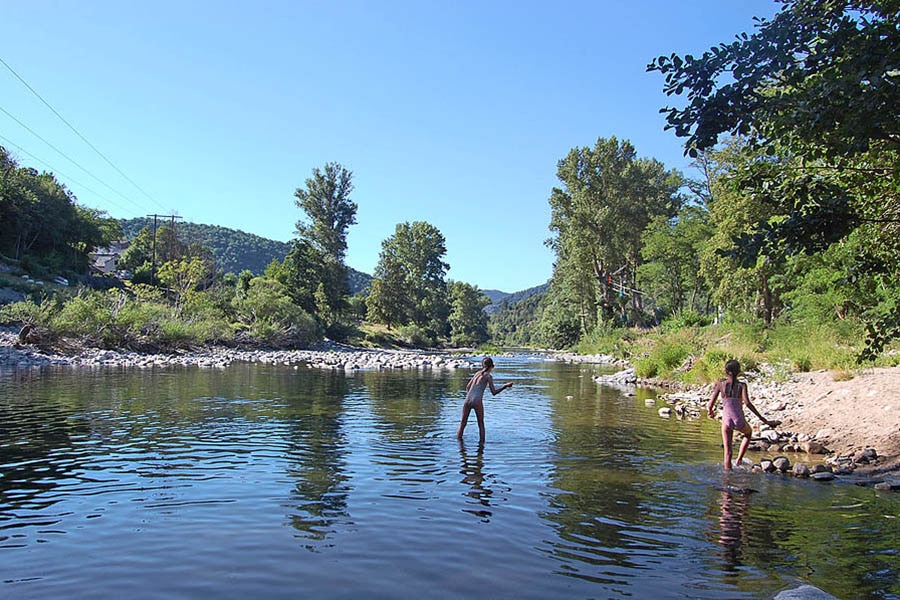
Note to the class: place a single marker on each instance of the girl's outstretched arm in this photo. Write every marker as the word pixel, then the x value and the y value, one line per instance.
pixel 497 390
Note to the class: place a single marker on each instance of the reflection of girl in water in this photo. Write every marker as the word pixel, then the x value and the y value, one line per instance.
pixel 475 394
pixel 473 475
pixel 731 527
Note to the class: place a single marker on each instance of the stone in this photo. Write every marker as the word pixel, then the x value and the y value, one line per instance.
pixel 823 476
pixel 781 463
pixel 888 485
pixel 814 447
pixel 767 465
pixel 665 411
pixel 870 453
pixel 801 470
pixel 823 434
pixel 770 435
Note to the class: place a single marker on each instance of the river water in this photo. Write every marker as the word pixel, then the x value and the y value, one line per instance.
pixel 267 481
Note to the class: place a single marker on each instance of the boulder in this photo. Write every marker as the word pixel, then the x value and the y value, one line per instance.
pixel 781 463
pixel 823 476
pixel 801 470
pixel 813 447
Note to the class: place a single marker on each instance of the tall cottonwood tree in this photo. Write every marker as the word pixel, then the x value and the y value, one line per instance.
pixel 609 196
pixel 328 213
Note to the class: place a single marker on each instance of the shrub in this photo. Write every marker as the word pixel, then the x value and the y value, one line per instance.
pixel 415 336
pixel 645 367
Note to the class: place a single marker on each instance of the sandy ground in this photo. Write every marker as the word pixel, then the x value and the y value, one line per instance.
pixel 848 416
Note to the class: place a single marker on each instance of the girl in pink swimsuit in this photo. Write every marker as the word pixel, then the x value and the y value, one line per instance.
pixel 475 394
pixel 734 397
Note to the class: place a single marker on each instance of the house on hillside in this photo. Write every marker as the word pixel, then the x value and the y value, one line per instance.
pixel 105 261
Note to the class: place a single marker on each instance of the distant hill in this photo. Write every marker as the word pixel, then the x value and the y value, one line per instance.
pixel 498 299
pixel 496 296
pixel 233 249
pixel 514 321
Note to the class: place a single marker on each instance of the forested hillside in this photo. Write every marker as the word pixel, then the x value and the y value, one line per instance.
pixel 234 250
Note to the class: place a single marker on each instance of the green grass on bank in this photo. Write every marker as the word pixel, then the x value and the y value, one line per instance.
pixel 696 354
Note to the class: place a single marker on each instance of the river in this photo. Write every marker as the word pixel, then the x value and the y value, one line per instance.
pixel 269 481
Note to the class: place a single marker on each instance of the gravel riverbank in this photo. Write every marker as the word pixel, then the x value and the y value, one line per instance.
pixel 844 424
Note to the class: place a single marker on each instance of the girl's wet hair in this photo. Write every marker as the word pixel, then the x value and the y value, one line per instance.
pixel 487 363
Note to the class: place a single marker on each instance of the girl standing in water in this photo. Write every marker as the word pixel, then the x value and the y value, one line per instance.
pixel 734 397
pixel 475 394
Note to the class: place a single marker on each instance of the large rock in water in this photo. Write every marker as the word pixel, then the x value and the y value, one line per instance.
pixel 804 592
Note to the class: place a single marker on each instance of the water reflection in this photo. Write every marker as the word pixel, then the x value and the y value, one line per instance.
pixel 318 447
pixel 478 494
pixel 734 503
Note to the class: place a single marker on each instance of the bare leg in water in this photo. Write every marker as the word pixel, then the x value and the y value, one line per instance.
pixel 478 407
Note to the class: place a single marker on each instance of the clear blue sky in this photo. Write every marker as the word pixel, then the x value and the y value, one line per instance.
pixel 454 113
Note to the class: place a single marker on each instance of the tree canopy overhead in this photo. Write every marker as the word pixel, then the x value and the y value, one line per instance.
pixel 821 76
pixel 815 91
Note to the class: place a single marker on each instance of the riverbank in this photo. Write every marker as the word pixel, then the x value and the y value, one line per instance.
pixel 324 355
pixel 852 419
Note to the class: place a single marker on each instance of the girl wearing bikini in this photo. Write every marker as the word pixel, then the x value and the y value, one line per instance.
pixel 734 397
pixel 475 394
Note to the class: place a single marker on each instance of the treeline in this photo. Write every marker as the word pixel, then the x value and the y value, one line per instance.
pixel 42 227
pixel 177 293
pixel 792 218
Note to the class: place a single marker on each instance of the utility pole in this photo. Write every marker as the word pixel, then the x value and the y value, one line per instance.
pixel 172 221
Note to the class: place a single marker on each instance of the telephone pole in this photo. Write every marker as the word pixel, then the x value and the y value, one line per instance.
pixel 172 221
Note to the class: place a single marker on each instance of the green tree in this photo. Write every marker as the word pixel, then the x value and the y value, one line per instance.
pixel 42 224
pixel 609 196
pixel 468 321
pixel 816 86
pixel 300 272
pixel 408 285
pixel 184 277
pixel 270 316
pixel 328 213
pixel 671 251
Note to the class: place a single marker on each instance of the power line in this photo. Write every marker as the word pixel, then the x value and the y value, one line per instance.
pixel 64 155
pixel 78 133
pixel 69 178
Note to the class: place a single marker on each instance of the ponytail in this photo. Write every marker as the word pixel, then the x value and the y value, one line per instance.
pixel 733 368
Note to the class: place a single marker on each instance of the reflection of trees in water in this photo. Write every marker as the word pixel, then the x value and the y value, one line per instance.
pixel 35 456
pixel 407 405
pixel 318 449
pixel 603 507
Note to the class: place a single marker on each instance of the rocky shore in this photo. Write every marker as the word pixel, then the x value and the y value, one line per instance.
pixel 828 425
pixel 325 355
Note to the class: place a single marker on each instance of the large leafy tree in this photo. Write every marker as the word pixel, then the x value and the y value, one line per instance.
pixel 609 196
pixel 817 86
pixel 41 221
pixel 671 251
pixel 468 321
pixel 328 213
pixel 408 285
